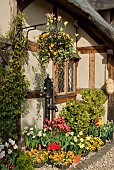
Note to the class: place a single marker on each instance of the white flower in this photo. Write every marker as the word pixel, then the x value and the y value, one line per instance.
pixel 31 133
pixel 40 133
pixel 33 137
pixel 31 128
pixel 6 144
pixel 88 138
pixel 81 145
pixel 80 133
pixel 66 134
pixel 25 128
pixel 75 139
pixel 45 130
pixel 15 146
pixel 81 140
pixel 44 134
pixel 28 134
pixel 71 143
pixel 12 142
pixel 9 151
pixel 2 154
pixel 71 133
pixel 2 146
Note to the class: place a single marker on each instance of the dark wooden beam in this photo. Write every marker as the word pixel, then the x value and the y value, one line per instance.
pixel 35 94
pixel 102 4
pixel 22 4
pixel 4 56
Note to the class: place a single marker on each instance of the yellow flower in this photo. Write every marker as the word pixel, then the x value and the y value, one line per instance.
pixel 65 23
pixel 68 36
pixel 51 21
pixel 55 53
pixel 52 45
pixel 76 34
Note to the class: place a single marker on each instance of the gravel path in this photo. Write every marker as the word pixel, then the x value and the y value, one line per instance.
pixel 105 163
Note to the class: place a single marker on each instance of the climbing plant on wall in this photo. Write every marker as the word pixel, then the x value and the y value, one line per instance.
pixel 13 84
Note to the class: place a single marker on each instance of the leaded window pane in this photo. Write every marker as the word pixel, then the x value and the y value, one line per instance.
pixel 70 76
pixel 61 79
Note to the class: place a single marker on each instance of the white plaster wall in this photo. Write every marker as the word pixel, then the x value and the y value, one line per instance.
pixel 35 13
pixel 83 72
pixel 34 116
pixel 84 39
pixel 100 69
pixel 4 16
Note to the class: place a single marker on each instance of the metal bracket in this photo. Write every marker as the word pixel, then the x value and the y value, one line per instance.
pixel 32 27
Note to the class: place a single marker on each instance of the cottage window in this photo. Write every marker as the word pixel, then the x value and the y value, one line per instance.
pixel 64 81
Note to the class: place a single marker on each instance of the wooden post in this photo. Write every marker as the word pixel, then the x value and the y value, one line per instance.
pixel 92 70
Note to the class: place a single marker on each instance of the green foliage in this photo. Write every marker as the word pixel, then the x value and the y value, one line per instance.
pixel 94 100
pixel 13 83
pixel 76 115
pixel 25 162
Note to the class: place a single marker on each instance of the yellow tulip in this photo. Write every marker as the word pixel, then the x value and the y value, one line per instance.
pixel 65 23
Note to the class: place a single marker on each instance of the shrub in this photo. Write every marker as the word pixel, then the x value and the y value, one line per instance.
pixel 94 100
pixel 25 162
pixel 76 115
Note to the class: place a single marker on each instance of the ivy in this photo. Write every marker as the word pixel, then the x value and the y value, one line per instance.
pixel 13 82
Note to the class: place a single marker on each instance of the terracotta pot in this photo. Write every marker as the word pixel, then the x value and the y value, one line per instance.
pixel 77 158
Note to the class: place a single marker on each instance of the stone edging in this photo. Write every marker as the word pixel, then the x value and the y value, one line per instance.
pixel 95 157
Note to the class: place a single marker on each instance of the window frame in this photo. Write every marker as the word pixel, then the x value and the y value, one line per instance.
pixel 64 96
